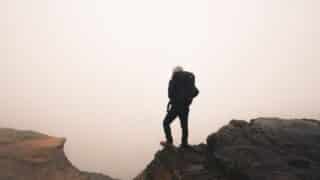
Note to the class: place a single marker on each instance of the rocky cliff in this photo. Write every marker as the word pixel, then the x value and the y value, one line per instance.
pixel 27 155
pixel 261 149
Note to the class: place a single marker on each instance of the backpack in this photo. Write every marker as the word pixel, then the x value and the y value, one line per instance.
pixel 190 87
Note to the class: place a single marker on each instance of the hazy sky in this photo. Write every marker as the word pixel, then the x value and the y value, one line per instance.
pixel 96 72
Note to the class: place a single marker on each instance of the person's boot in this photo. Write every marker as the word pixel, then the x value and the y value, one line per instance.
pixel 185 146
pixel 166 143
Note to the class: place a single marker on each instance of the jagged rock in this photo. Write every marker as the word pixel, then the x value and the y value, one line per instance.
pixel 27 155
pixel 268 149
pixel 95 176
pixel 262 149
pixel 178 164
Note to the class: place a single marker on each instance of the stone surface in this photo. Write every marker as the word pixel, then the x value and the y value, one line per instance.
pixel 27 155
pixel 269 148
pixel 263 148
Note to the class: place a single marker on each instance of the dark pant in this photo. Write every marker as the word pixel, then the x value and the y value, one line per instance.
pixel 182 113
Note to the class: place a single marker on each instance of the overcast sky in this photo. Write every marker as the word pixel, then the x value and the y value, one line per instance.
pixel 96 72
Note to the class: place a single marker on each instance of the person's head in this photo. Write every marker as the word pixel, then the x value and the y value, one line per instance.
pixel 177 69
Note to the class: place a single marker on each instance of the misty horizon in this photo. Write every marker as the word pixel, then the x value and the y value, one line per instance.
pixel 97 72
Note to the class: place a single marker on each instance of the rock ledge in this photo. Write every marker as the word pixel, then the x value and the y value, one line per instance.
pixel 28 155
pixel 263 148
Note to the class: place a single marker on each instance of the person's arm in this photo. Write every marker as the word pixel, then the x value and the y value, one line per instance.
pixel 170 90
pixel 169 106
pixel 170 95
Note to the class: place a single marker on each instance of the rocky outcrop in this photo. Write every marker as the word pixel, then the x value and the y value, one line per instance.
pixel 27 155
pixel 264 149
pixel 177 163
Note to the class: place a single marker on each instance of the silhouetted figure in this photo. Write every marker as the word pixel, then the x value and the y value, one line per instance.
pixel 181 92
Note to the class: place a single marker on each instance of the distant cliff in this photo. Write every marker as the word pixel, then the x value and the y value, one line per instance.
pixel 27 155
pixel 262 149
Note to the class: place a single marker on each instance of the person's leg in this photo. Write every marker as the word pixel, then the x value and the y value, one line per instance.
pixel 171 115
pixel 184 115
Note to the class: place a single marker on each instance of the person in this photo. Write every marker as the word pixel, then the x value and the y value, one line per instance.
pixel 181 92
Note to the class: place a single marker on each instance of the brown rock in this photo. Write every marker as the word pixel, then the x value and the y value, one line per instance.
pixel 27 155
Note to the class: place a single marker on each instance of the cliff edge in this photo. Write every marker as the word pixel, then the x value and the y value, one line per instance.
pixel 263 148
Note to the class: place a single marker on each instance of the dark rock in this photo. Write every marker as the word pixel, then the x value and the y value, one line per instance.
pixel 269 148
pixel 178 163
pixel 264 149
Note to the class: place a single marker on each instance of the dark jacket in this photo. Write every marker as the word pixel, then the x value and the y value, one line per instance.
pixel 179 90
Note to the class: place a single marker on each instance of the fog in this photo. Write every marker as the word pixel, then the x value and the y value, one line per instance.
pixel 96 72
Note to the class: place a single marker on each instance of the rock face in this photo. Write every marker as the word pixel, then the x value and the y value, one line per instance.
pixel 27 155
pixel 264 149
pixel 177 164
